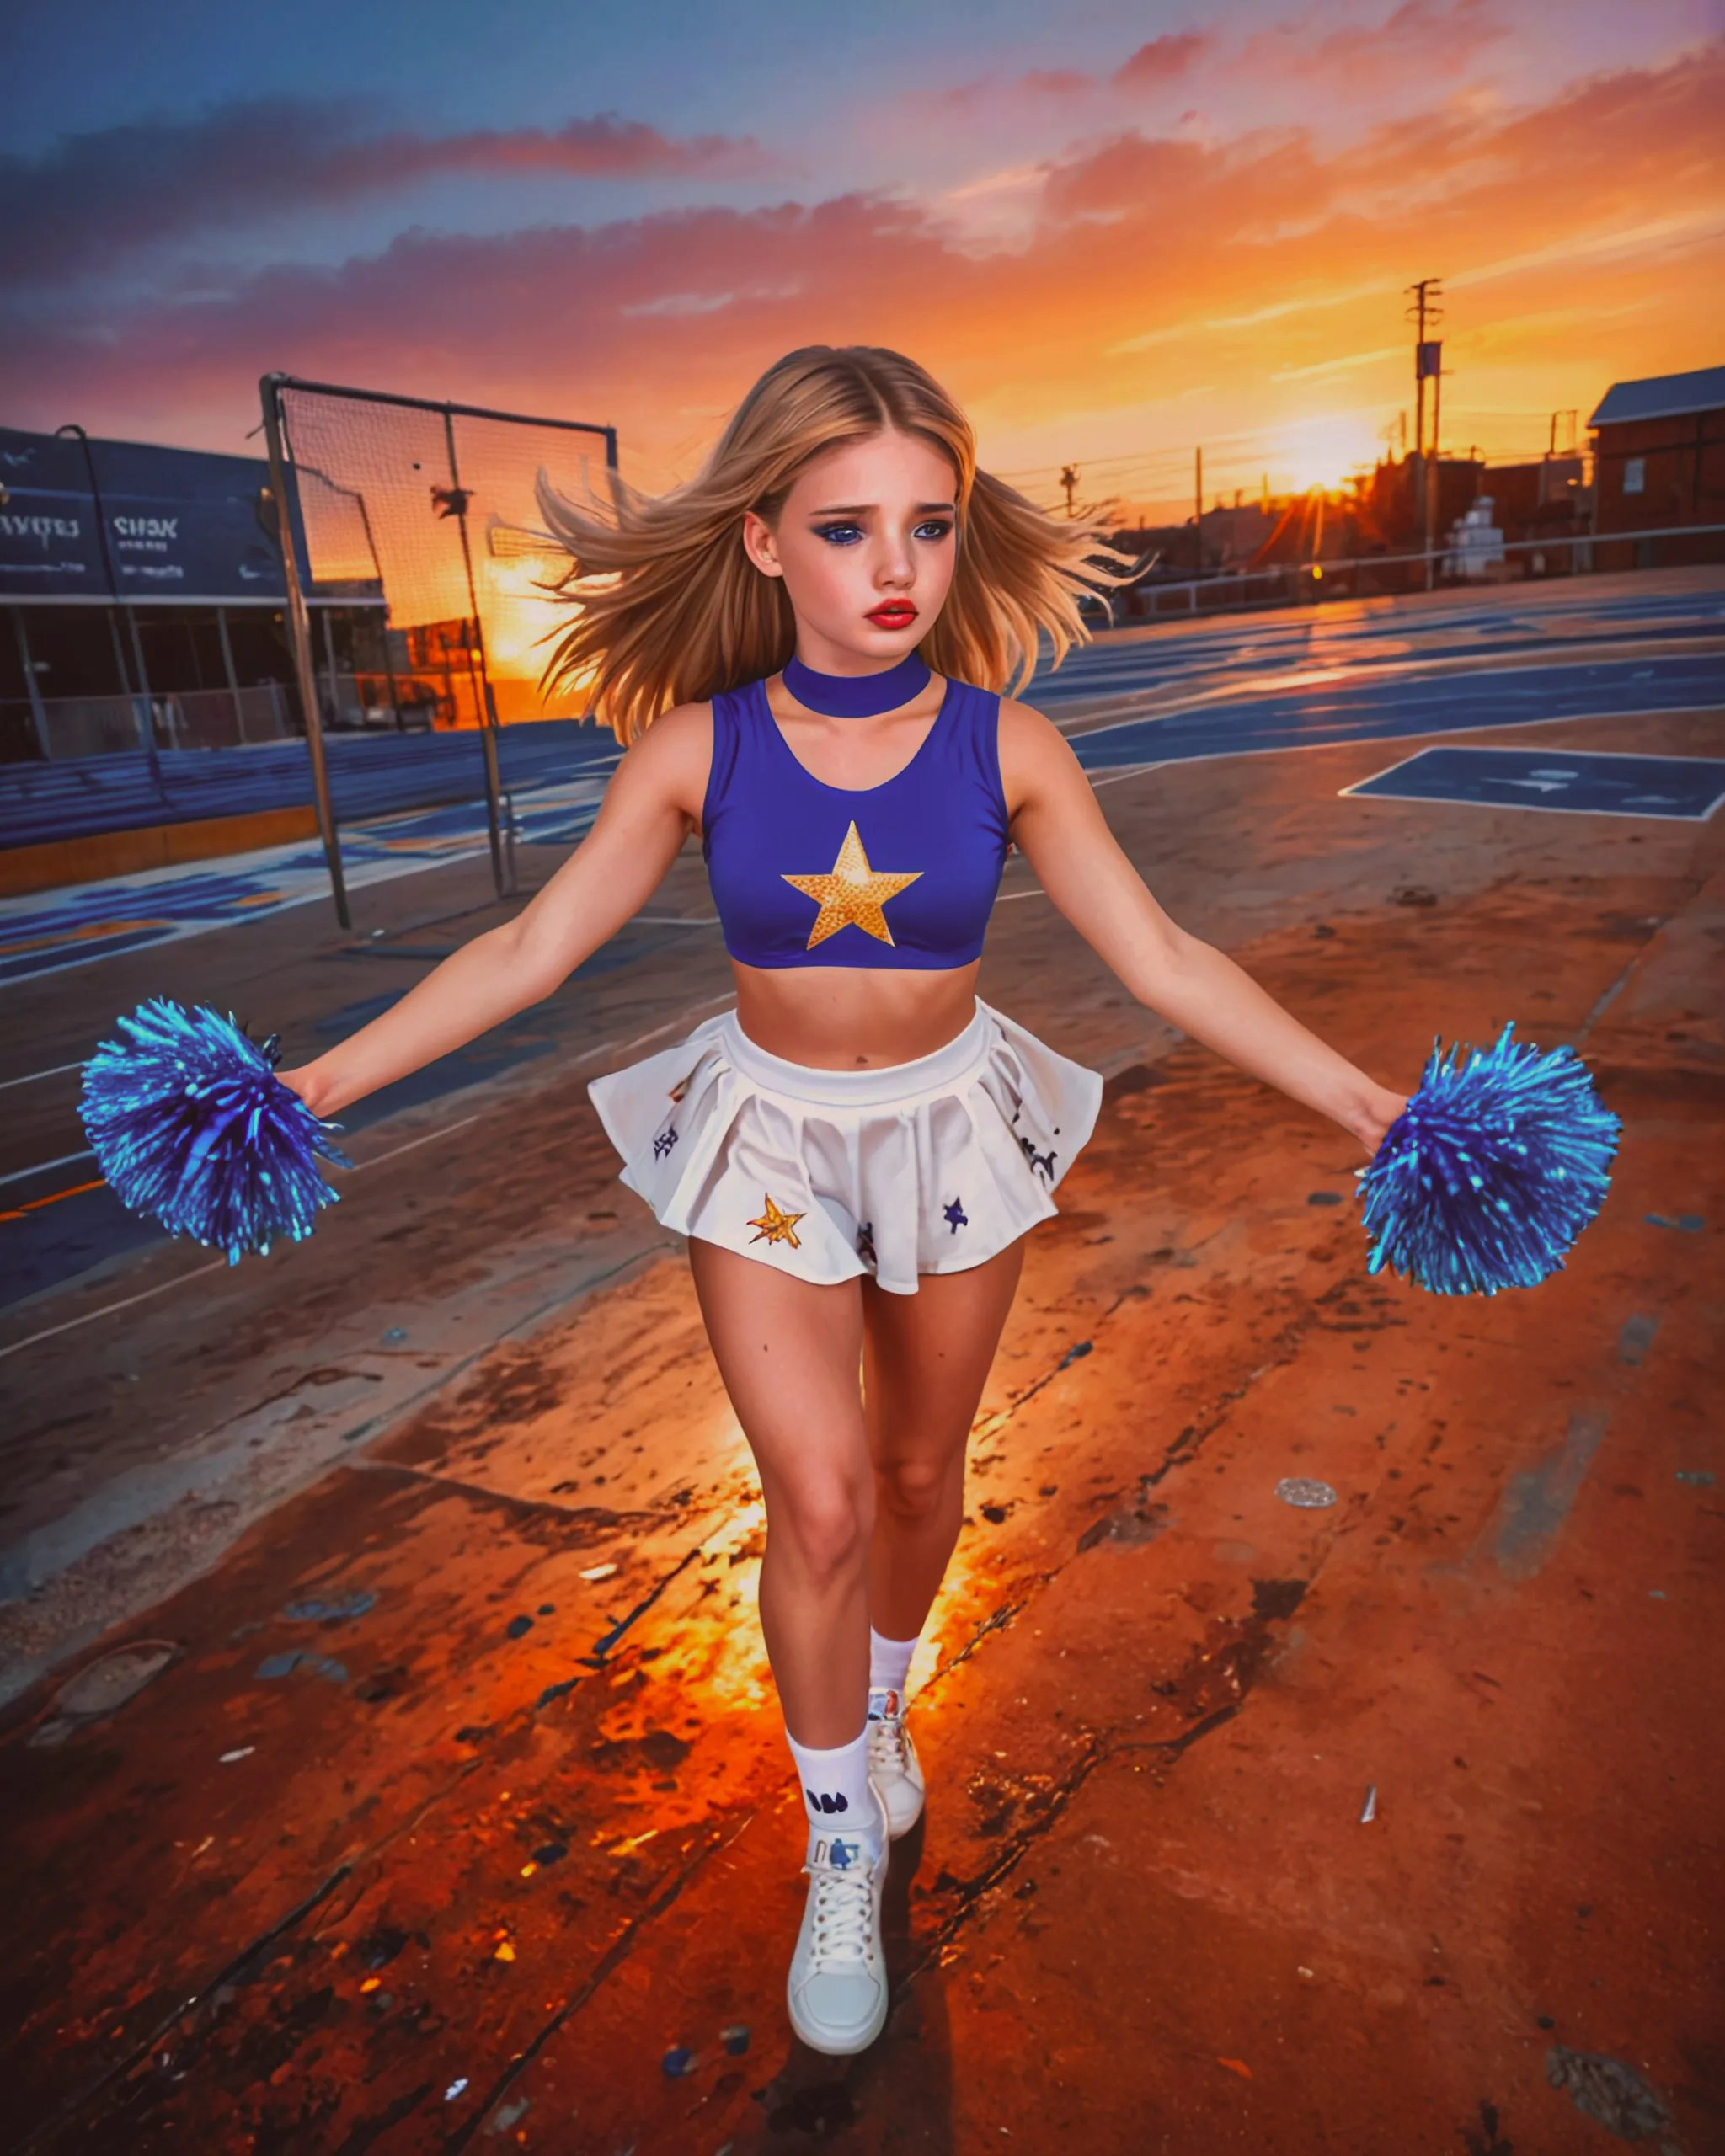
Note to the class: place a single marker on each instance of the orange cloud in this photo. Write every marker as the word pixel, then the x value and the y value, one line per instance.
pixel 1267 270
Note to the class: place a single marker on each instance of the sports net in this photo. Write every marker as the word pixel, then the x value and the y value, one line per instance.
pixel 435 504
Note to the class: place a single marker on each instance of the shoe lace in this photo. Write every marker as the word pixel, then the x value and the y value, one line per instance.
pixel 843 1909
pixel 886 1744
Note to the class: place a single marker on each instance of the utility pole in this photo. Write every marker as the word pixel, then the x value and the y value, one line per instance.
pixel 1425 312
pixel 1069 480
pixel 1198 510
pixel 1432 468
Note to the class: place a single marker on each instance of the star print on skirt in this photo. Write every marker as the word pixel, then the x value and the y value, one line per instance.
pixel 830 1175
pixel 776 1225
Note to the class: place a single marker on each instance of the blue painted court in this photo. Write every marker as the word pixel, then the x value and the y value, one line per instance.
pixel 1518 623
pixel 50 931
pixel 1581 782
pixel 1389 708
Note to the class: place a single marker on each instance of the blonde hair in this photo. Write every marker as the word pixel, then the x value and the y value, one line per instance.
pixel 670 610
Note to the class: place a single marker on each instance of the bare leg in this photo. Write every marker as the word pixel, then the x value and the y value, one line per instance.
pixel 788 1352
pixel 926 1359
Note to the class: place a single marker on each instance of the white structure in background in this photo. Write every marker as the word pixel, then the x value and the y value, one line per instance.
pixel 1476 543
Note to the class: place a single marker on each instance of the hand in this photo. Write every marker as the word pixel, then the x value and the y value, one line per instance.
pixel 303 1081
pixel 1376 1117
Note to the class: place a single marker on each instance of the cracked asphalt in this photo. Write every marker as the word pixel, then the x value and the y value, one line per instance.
pixel 456 1814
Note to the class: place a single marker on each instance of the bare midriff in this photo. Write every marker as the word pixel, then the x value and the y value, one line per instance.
pixel 851 1017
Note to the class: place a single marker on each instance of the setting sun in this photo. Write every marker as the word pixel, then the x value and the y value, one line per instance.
pixel 1324 451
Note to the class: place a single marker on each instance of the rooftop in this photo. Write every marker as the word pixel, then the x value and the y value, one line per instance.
pixel 1662 397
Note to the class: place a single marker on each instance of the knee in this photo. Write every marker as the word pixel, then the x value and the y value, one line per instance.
pixel 918 1489
pixel 828 1524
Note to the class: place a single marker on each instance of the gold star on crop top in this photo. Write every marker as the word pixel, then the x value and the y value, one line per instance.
pixel 853 895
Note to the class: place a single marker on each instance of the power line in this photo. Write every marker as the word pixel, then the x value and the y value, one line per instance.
pixel 1252 445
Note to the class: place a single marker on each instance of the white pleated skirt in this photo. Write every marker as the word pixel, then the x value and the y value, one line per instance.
pixel 930 1166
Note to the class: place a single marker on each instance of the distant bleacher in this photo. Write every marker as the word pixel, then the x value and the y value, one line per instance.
pixel 369 775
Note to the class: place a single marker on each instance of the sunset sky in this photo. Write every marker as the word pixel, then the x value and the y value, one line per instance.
pixel 1115 230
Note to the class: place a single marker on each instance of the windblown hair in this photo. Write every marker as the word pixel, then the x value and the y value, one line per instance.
pixel 669 609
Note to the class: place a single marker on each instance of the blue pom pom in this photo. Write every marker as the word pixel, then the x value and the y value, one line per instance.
pixel 190 1122
pixel 1490 1172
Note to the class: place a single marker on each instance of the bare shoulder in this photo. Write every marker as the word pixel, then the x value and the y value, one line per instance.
pixel 671 758
pixel 1026 731
pixel 1035 755
pixel 667 767
pixel 686 730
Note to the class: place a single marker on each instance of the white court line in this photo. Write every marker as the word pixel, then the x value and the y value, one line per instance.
pixel 1553 807
pixel 88 1153
pixel 30 1077
pixel 444 1130
pixel 108 1309
pixel 41 1168
pixel 1422 734
pixel 1108 713
pixel 1137 770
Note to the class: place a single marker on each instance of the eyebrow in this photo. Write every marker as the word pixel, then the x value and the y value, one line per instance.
pixel 862 509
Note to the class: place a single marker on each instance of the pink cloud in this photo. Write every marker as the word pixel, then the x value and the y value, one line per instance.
pixel 1163 60
pixel 986 93
pixel 1418 39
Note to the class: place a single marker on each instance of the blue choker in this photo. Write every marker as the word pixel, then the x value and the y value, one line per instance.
pixel 856 696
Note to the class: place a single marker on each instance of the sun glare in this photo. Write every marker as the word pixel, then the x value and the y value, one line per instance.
pixel 1324 451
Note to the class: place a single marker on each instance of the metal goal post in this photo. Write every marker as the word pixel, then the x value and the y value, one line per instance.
pixel 433 507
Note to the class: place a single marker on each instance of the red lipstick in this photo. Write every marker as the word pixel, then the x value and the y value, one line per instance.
pixel 893 614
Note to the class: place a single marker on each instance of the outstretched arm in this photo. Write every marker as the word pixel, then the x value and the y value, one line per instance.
pixel 651 805
pixel 1060 826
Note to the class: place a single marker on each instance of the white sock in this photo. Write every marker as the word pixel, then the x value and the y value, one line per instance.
pixel 836 1791
pixel 888 1664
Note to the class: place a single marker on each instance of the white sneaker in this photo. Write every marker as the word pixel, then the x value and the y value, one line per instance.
pixel 837 1989
pixel 893 1765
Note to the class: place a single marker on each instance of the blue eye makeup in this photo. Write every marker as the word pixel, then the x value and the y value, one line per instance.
pixel 932 529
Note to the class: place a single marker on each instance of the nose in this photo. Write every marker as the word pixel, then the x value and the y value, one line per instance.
pixel 895 566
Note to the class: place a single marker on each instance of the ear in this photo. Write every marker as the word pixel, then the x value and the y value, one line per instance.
pixel 759 544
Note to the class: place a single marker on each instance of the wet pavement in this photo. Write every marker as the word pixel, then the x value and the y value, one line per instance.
pixel 451 1810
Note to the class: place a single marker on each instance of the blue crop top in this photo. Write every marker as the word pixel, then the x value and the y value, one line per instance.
pixel 899 876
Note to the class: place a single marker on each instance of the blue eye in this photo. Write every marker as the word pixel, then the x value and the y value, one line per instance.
pixel 842 535
pixel 938 527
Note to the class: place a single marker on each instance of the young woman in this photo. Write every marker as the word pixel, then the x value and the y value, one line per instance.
pixel 858 1151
